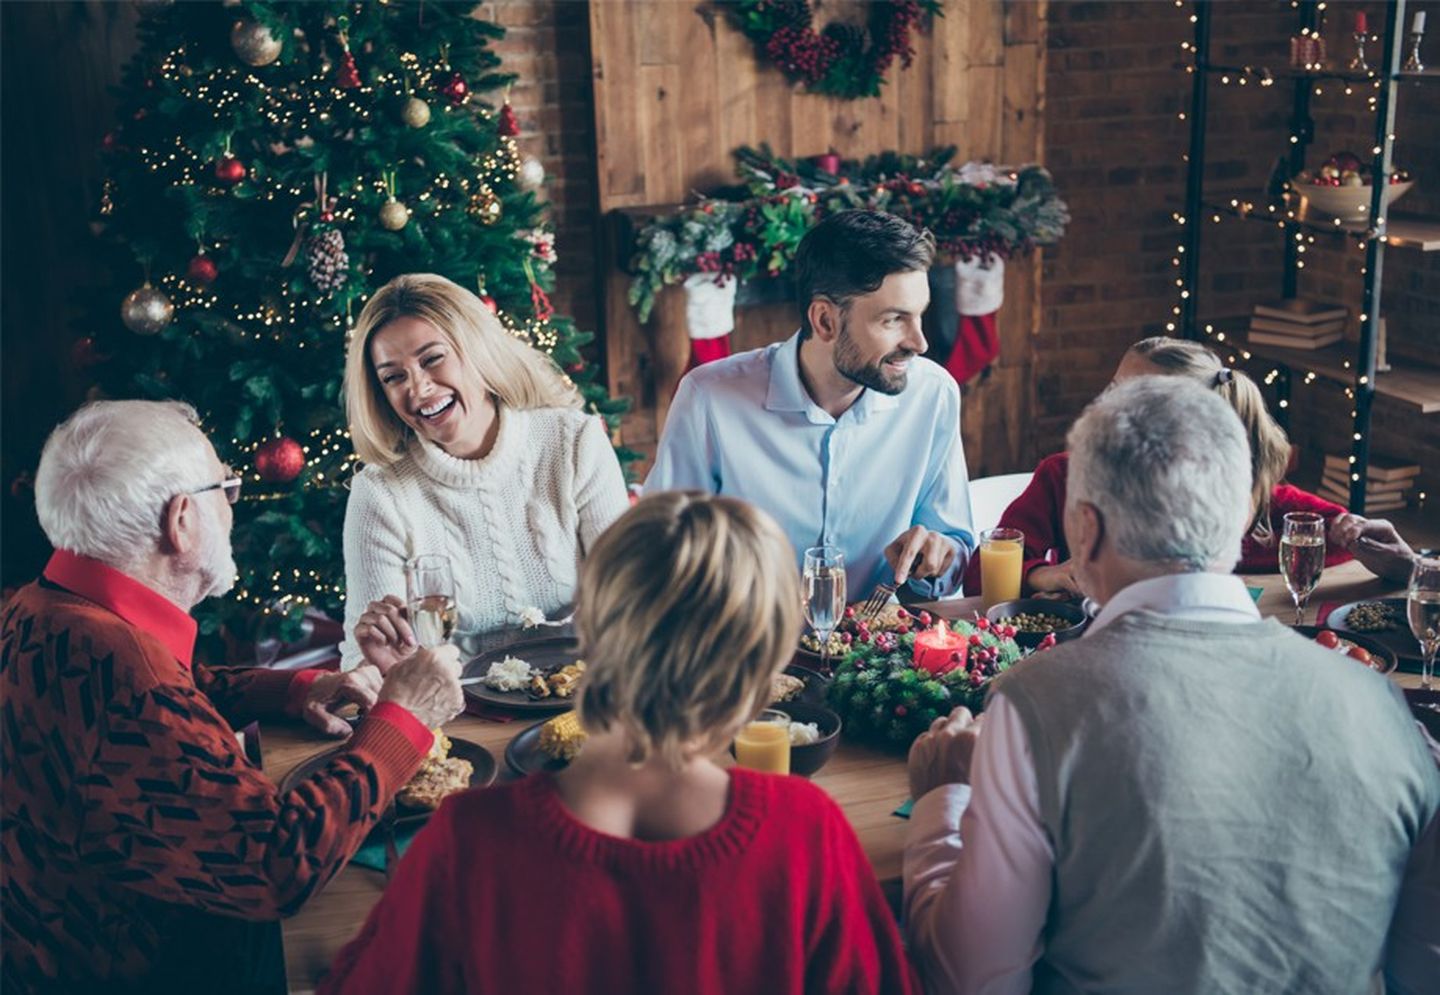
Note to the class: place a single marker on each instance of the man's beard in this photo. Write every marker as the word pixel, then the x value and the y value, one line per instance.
pixel 217 570
pixel 852 366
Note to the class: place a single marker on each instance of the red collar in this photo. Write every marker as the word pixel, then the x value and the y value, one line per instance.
pixel 127 597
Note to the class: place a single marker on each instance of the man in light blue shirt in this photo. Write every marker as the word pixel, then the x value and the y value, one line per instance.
pixel 842 432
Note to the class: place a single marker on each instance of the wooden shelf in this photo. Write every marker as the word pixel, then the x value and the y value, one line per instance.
pixel 1403 232
pixel 1412 384
pixel 1265 76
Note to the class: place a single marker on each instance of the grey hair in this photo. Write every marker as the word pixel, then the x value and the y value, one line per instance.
pixel 1167 463
pixel 107 472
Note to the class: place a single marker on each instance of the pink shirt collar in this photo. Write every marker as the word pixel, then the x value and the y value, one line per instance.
pixel 122 594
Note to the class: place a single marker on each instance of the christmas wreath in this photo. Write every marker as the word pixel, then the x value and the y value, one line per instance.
pixel 884 697
pixel 841 60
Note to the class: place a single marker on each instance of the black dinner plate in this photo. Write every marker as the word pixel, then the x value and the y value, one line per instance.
pixel 524 756
pixel 482 773
pixel 548 653
pixel 1397 640
pixel 816 683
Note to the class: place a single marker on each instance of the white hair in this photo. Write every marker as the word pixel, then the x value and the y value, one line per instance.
pixel 108 471
pixel 1167 463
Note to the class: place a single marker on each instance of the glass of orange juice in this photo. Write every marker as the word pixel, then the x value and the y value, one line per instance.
pixel 1002 555
pixel 764 744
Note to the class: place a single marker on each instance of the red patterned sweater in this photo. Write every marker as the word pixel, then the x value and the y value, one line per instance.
pixel 1039 513
pixel 128 804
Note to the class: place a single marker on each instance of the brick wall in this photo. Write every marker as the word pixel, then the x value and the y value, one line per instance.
pixel 548 45
pixel 1115 141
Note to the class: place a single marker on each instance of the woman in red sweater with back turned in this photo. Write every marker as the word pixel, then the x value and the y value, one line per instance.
pixel 644 866
pixel 1039 510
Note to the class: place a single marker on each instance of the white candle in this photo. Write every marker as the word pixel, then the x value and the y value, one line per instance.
pixel 1418 25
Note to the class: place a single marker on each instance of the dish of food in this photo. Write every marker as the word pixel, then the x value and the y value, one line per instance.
pixel 536 675
pixel 1362 649
pixel 525 755
pixel 452 765
pixel 892 618
pixel 1383 620
pixel 798 684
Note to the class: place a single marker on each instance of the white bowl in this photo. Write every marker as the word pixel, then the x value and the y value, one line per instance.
pixel 1348 203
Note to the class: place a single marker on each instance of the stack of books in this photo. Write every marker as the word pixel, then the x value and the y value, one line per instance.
pixel 1297 323
pixel 1387 484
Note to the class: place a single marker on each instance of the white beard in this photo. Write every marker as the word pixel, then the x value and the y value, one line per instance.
pixel 217 567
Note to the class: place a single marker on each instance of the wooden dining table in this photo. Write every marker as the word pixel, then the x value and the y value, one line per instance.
pixel 869 784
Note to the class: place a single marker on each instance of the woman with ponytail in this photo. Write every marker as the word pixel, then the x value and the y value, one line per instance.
pixel 1039 511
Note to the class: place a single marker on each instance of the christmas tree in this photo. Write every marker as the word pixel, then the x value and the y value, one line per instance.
pixel 274 164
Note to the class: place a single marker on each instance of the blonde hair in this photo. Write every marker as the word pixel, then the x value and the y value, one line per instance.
pixel 520 376
pixel 689 605
pixel 1269 445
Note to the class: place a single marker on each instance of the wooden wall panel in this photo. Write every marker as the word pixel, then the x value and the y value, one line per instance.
pixel 678 88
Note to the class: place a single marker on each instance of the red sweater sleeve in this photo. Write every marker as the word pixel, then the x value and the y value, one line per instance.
pixel 244 694
pixel 1039 512
pixel 410 941
pixel 856 947
pixel 175 811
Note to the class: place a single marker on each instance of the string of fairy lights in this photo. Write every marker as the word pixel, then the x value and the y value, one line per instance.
pixel 1284 214
pixel 303 108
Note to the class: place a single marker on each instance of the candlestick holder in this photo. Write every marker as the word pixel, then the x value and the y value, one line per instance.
pixel 1412 62
pixel 1358 64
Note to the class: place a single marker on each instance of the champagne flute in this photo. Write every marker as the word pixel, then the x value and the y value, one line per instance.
pixel 1423 608
pixel 823 581
pixel 1302 557
pixel 430 596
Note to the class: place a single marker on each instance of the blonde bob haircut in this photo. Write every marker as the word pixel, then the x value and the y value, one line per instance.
pixel 1269 445
pixel 518 375
pixel 689 605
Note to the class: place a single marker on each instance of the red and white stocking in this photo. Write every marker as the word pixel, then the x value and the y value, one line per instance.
pixel 979 292
pixel 709 316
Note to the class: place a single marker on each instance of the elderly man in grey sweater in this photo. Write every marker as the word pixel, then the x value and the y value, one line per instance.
pixel 1189 798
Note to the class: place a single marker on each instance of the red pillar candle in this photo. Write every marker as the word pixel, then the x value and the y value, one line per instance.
pixel 1361 25
pixel 938 650
pixel 828 163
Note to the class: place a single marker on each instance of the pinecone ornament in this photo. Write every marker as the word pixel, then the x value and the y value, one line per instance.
pixel 329 265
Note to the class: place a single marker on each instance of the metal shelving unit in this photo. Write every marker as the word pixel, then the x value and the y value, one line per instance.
pixel 1378 233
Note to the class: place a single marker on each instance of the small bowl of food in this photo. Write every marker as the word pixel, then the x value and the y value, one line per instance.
pixel 814 736
pixel 1035 618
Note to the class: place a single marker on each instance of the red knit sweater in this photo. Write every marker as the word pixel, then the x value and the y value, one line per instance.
pixel 505 891
pixel 130 810
pixel 1039 513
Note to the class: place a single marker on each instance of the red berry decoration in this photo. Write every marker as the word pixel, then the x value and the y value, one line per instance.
pixel 925 619
pixel 279 461
pixel 509 126
pixel 850 611
pixel 901 613
pixel 982 623
pixel 229 170
pixel 975 639
pixel 901 711
pixel 202 270
pixel 456 90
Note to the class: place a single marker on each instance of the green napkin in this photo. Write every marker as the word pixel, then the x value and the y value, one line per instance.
pixel 372 852
pixel 903 811
pixel 1255 593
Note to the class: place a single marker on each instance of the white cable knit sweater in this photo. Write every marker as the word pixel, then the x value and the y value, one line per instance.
pixel 514 524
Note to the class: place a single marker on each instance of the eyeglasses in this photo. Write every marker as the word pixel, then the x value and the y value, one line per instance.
pixel 230 485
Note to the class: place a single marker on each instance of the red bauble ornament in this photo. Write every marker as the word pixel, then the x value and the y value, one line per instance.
pixel 108 142
pixel 347 76
pixel 489 302
pixel 229 169
pixel 575 369
pixel 280 460
pixel 456 89
pixel 509 122
pixel 202 270
pixel 85 354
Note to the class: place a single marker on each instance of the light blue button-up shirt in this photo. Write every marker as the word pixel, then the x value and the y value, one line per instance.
pixel 745 426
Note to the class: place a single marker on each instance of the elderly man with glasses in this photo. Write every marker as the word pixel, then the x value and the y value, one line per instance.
pixel 139 846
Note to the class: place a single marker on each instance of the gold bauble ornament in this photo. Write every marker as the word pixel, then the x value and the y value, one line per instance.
pixel 394 215
pixel 146 310
pixel 484 206
pixel 415 113
pixel 253 43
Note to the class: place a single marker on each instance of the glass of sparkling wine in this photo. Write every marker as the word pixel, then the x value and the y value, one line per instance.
pixel 1423 604
pixel 823 582
pixel 430 596
pixel 1302 557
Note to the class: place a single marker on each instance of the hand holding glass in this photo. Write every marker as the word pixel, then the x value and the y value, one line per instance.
pixel 823 584
pixel 1423 607
pixel 1302 557
pixel 430 598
